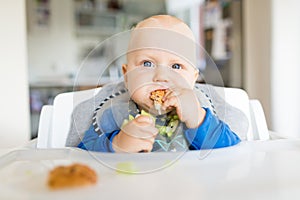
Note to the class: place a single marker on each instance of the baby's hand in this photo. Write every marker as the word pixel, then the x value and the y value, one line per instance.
pixel 187 106
pixel 138 135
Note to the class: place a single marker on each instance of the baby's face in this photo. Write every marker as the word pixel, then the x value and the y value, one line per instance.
pixel 151 69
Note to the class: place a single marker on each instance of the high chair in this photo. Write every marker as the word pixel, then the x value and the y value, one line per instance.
pixel 55 119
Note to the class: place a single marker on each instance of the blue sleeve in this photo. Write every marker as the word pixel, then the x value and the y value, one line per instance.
pixel 212 133
pixel 94 142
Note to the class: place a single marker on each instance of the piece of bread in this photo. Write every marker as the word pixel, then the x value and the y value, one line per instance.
pixel 75 175
pixel 157 96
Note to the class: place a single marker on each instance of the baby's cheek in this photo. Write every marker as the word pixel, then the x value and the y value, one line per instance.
pixel 183 79
pixel 137 93
pixel 136 88
pixel 135 81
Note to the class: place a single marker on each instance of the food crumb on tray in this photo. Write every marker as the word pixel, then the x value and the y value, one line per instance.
pixel 74 175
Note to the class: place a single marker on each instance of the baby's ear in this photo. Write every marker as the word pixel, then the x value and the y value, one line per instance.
pixel 124 70
pixel 196 75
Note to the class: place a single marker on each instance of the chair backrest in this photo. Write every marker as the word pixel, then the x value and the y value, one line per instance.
pixel 55 123
pixel 239 99
pixel 55 120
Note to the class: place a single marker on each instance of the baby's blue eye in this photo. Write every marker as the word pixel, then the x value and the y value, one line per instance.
pixel 176 66
pixel 148 64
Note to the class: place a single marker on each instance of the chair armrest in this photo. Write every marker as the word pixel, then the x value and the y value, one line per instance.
pixel 44 126
pixel 258 119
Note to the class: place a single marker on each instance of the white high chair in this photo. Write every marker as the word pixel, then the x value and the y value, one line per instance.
pixel 55 119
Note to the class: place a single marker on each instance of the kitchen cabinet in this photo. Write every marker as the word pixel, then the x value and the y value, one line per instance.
pixel 108 17
pixel 92 22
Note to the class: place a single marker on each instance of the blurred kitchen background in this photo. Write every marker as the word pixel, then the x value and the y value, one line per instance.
pixel 254 43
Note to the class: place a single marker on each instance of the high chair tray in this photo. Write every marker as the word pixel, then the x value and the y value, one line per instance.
pixel 265 170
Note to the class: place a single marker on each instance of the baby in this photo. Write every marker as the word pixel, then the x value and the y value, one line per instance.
pixel 161 58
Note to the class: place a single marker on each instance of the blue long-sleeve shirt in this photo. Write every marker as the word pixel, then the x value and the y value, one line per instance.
pixel 212 133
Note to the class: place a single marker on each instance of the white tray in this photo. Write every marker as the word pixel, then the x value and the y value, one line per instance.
pixel 266 170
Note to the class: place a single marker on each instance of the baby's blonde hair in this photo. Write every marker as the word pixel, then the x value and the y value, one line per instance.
pixel 167 22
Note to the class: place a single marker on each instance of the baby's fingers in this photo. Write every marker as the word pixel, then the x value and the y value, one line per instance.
pixel 143 120
pixel 144 146
pixel 145 126
pixel 171 101
pixel 169 93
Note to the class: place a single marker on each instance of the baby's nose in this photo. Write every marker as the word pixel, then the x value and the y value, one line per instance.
pixel 161 74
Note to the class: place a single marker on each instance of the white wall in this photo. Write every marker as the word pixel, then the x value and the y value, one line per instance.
pixel 14 101
pixel 257 48
pixel 286 67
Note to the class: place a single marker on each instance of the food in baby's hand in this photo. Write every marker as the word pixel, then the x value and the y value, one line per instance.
pixel 75 175
pixel 157 96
